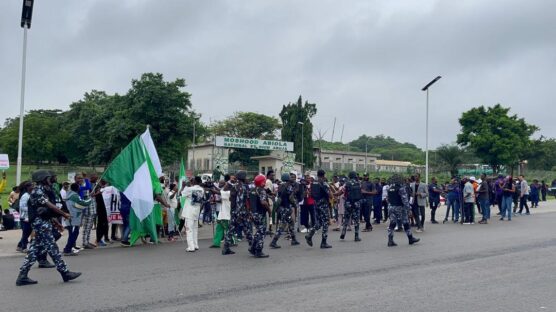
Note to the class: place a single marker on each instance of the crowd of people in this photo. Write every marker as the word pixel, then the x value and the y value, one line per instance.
pixel 250 209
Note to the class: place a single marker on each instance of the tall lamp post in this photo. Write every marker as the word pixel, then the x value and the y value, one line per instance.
pixel 26 15
pixel 426 88
pixel 302 135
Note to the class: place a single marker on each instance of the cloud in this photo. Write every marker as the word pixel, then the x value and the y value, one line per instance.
pixel 362 62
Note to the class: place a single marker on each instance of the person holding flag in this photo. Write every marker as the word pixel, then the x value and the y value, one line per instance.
pixel 133 172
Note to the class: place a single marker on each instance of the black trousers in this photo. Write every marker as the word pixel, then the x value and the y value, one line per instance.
pixel 467 216
pixel 523 203
pixel 102 225
pixel 366 211
pixel 434 206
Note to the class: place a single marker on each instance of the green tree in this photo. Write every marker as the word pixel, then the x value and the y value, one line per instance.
pixel 43 137
pixel 247 125
pixel 389 148
pixel 451 157
pixel 292 115
pixel 542 154
pixel 499 139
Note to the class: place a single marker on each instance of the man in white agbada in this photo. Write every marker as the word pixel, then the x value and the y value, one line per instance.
pixel 193 200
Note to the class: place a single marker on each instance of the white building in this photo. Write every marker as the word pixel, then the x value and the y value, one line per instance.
pixel 396 166
pixel 206 156
pixel 344 160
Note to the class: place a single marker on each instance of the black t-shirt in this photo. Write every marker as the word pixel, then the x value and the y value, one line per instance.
pixel 368 186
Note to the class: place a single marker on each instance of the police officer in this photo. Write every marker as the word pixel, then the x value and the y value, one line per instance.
pixel 41 211
pixel 352 205
pixel 398 209
pixel 258 200
pixel 321 193
pixel 53 194
pixel 241 215
pixel 287 202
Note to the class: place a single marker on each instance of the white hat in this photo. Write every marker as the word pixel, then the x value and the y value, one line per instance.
pixel 472 179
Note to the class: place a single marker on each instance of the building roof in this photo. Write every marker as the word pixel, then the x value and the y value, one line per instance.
pixel 398 163
pixel 348 153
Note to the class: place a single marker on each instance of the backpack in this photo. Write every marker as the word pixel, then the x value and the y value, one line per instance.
pixel 353 190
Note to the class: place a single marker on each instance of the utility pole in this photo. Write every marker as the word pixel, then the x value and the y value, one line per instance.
pixel 26 16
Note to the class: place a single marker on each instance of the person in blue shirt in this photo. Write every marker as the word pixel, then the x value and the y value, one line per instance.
pixel 452 200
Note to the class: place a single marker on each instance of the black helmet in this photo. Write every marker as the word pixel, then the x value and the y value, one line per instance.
pixel 352 175
pixel 241 175
pixel 40 175
pixel 396 179
pixel 285 177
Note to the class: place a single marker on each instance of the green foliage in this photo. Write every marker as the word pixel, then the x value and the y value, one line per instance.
pixel 291 115
pixel 247 125
pixel 43 136
pixel 451 156
pixel 97 127
pixel 542 154
pixel 497 138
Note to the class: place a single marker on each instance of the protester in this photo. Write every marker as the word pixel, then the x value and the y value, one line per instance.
pixel 534 193
pixel 89 213
pixel 26 188
pixel 194 199
pixel 420 194
pixel 75 206
pixel 544 190
pixel 484 198
pixel 468 201
pixel 523 195
pixel 125 210
pixel 434 198
pixel 224 216
pixel 509 190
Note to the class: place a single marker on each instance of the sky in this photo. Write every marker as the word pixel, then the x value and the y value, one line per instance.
pixel 362 62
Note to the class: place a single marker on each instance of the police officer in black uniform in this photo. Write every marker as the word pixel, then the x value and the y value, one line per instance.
pixel 398 209
pixel 41 213
pixel 320 192
pixel 286 203
pixel 352 205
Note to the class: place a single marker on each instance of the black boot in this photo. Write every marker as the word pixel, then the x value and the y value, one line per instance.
pixel 68 276
pixel 324 245
pixel 343 235
pixel 23 280
pixel 274 244
pixel 45 264
pixel 357 239
pixel 309 237
pixel 294 241
pixel 412 240
pixel 227 251
pixel 391 242
pixel 251 251
pixel 260 254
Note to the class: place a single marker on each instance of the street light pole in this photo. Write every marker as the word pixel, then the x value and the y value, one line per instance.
pixel 26 16
pixel 302 135
pixel 366 166
pixel 426 88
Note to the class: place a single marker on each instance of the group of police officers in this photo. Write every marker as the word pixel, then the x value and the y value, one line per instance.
pixel 249 207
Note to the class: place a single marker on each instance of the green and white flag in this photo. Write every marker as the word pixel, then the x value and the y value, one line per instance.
pixel 133 173
pixel 182 179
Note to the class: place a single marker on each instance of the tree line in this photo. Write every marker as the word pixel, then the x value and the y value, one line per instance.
pixel 96 128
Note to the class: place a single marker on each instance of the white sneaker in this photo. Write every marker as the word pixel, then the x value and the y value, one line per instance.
pixel 466 223
pixel 304 231
pixel 75 250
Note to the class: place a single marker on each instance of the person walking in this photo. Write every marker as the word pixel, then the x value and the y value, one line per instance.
pixel 41 211
pixel 508 191
pixel 286 201
pixel 420 194
pixel 258 200
pixel 398 209
pixel 523 195
pixel 544 190
pixel 240 212
pixel 75 206
pixel 352 205
pixel 321 194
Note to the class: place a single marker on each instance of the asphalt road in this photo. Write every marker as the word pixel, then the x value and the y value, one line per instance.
pixel 503 266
